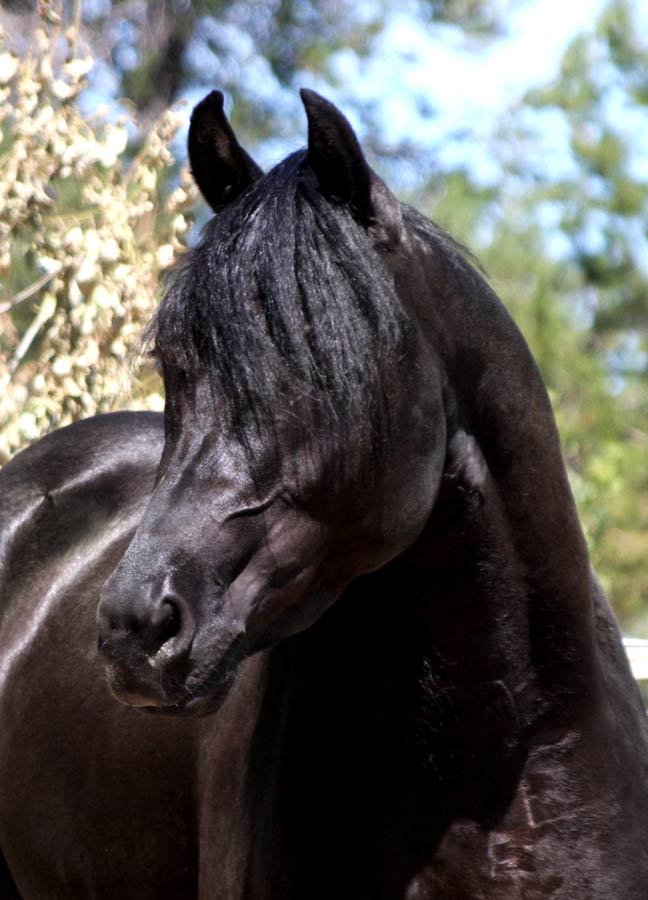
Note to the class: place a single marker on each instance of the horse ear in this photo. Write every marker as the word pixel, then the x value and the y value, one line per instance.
pixel 220 166
pixel 335 155
pixel 343 174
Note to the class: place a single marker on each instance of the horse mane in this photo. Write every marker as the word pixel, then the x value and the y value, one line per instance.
pixel 288 309
pixel 435 238
pixel 285 306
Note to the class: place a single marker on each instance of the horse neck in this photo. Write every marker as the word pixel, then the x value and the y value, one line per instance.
pixel 503 548
pixel 485 623
pixel 419 697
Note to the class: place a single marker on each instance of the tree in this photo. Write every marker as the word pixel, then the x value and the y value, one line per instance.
pixel 603 93
pixel 82 244
pixel 260 52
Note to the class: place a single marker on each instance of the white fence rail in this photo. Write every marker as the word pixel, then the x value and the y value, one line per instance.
pixel 637 651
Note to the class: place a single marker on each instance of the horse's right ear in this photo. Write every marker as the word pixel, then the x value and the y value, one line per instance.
pixel 220 166
pixel 335 156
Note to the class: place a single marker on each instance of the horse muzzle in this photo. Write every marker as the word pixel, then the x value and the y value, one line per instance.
pixel 156 657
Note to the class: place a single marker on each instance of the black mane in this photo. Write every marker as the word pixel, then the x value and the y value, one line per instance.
pixel 288 309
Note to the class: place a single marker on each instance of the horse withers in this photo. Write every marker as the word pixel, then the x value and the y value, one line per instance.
pixel 343 575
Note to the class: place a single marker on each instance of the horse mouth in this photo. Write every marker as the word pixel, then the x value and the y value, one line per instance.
pixel 196 704
pixel 202 696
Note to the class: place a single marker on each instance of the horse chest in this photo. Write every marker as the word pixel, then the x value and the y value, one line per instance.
pixel 561 838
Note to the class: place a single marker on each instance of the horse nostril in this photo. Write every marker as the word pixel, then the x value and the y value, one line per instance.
pixel 170 626
pixel 135 629
pixel 165 651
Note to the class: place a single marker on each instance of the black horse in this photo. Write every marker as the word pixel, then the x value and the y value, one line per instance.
pixel 344 571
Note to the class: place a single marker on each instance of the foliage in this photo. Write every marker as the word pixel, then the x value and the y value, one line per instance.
pixel 602 215
pixel 603 94
pixel 82 244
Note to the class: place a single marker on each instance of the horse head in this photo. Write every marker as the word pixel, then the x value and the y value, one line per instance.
pixel 304 435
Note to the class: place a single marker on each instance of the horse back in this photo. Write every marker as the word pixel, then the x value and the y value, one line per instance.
pixel 102 773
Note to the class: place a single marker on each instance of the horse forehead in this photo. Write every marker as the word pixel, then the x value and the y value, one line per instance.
pixel 205 467
pixel 270 454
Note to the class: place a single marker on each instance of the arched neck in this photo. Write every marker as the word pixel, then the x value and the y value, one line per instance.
pixel 504 530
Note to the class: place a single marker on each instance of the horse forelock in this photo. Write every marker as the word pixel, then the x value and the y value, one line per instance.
pixel 288 310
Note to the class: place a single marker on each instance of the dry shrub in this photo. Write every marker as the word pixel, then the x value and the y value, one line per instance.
pixel 84 237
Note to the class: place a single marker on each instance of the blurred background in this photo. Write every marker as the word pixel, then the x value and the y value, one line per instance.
pixel 521 126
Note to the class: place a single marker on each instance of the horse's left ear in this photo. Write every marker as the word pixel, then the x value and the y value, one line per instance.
pixel 343 174
pixel 221 167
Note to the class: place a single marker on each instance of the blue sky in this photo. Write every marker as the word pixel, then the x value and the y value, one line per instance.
pixel 427 83
pixel 468 85
pixel 422 82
